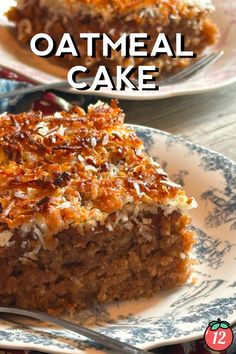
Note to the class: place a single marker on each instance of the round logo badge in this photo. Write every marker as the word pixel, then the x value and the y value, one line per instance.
pixel 218 335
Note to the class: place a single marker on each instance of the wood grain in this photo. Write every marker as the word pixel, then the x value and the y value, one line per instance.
pixel 207 119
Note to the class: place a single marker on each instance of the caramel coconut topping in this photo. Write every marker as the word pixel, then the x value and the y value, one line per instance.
pixel 75 167
pixel 117 7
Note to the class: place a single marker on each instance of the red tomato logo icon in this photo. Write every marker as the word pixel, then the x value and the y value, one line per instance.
pixel 218 335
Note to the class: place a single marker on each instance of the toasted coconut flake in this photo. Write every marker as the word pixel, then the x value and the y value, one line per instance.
pixel 5 237
pixel 58 115
pixel 94 142
pixel 84 167
pixel 105 140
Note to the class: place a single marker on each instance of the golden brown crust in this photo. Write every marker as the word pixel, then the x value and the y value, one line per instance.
pixel 116 8
pixel 73 167
pixel 166 7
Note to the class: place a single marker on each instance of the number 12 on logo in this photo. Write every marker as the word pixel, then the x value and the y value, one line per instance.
pixel 218 335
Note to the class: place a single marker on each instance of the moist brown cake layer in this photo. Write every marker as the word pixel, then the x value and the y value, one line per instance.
pixel 98 265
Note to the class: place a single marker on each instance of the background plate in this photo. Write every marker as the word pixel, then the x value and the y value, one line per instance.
pixel 176 315
pixel 218 75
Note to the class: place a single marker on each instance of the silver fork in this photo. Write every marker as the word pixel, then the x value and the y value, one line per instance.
pixel 107 342
pixel 190 71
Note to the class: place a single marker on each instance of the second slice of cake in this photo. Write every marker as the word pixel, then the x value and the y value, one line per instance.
pixel 116 17
pixel 85 215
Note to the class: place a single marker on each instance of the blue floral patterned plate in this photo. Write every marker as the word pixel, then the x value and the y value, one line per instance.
pixel 176 315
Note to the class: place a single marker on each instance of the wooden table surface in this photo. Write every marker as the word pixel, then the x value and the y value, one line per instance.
pixel 206 119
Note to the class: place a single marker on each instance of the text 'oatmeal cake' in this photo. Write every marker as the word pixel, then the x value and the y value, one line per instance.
pixel 85 215
pixel 116 17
